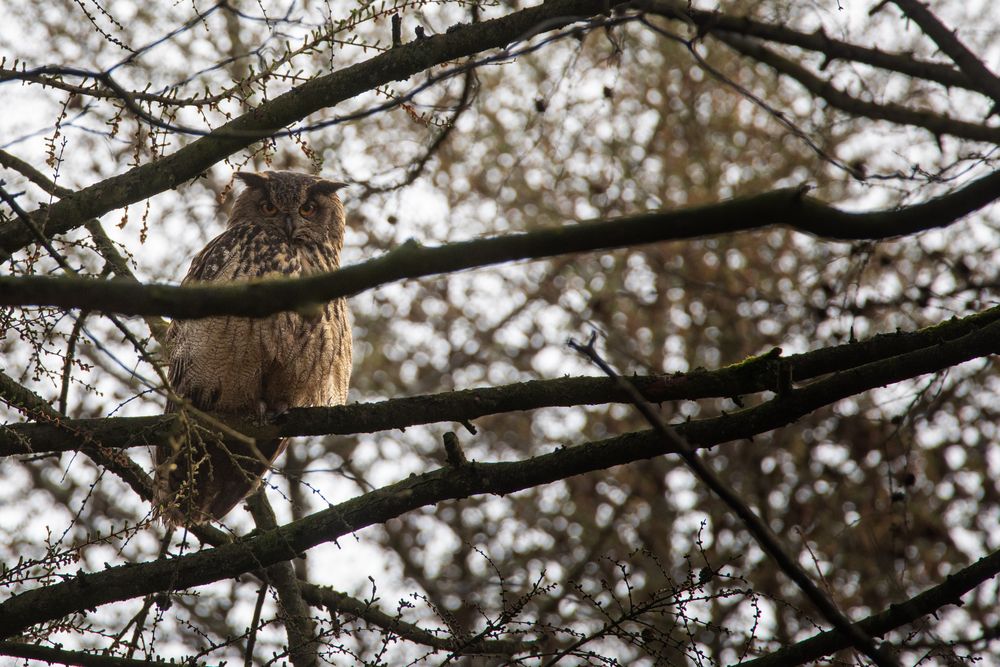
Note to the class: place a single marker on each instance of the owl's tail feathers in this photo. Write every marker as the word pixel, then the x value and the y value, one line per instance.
pixel 201 477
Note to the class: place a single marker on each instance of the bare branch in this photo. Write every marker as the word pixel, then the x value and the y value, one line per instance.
pixel 322 92
pixel 748 377
pixel 949 43
pixel 62 657
pixel 948 592
pixel 28 171
pixel 303 650
pixel 86 590
pixel 788 207
pixel 343 603
pixel 709 22
pixel 767 540
pixel 935 123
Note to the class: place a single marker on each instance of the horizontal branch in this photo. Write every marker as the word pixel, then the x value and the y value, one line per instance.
pixel 788 207
pixel 88 590
pixel 323 92
pixel 749 377
pixel 62 657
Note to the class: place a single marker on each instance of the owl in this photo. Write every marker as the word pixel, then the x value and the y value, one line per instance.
pixel 283 224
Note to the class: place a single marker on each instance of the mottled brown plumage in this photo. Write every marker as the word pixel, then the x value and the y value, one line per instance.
pixel 283 224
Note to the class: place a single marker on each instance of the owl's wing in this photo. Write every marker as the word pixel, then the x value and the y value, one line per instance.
pixel 205 364
pixel 224 258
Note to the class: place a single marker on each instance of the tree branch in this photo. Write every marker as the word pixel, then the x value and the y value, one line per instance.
pixel 949 43
pixel 343 603
pixel 88 590
pixel 270 117
pixel 59 656
pixel 935 123
pixel 950 591
pixel 760 531
pixel 788 207
pixel 748 377
pixel 303 649
pixel 710 22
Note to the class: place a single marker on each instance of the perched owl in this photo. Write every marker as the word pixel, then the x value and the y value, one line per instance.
pixel 283 224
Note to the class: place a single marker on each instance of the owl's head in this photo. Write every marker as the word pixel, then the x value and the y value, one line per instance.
pixel 303 206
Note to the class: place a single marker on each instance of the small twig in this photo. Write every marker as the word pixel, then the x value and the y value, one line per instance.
pixel 33 227
pixel 779 116
pixel 255 625
pixel 34 175
pixel 453 451
pixel 397 30
pixel 74 336
pixel 767 540
pixel 106 249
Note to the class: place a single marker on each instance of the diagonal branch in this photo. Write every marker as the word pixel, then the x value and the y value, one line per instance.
pixel 892 112
pixel 950 591
pixel 949 43
pixel 760 531
pixel 87 590
pixel 788 207
pixel 711 22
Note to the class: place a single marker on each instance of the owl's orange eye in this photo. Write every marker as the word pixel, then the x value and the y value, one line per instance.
pixel 267 208
pixel 307 209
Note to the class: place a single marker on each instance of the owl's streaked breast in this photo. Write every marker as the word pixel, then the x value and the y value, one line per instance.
pixel 284 224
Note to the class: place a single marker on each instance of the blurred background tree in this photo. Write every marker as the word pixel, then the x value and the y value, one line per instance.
pixel 650 105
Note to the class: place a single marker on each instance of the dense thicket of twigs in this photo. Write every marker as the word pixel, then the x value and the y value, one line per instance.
pixel 769 233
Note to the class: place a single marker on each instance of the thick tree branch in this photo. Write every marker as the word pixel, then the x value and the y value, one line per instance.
pixel 87 590
pixel 787 207
pixel 270 117
pixel 749 377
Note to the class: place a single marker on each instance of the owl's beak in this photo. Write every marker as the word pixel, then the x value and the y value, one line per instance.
pixel 290 226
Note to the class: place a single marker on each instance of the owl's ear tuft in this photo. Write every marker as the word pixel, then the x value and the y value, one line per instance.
pixel 324 187
pixel 252 179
